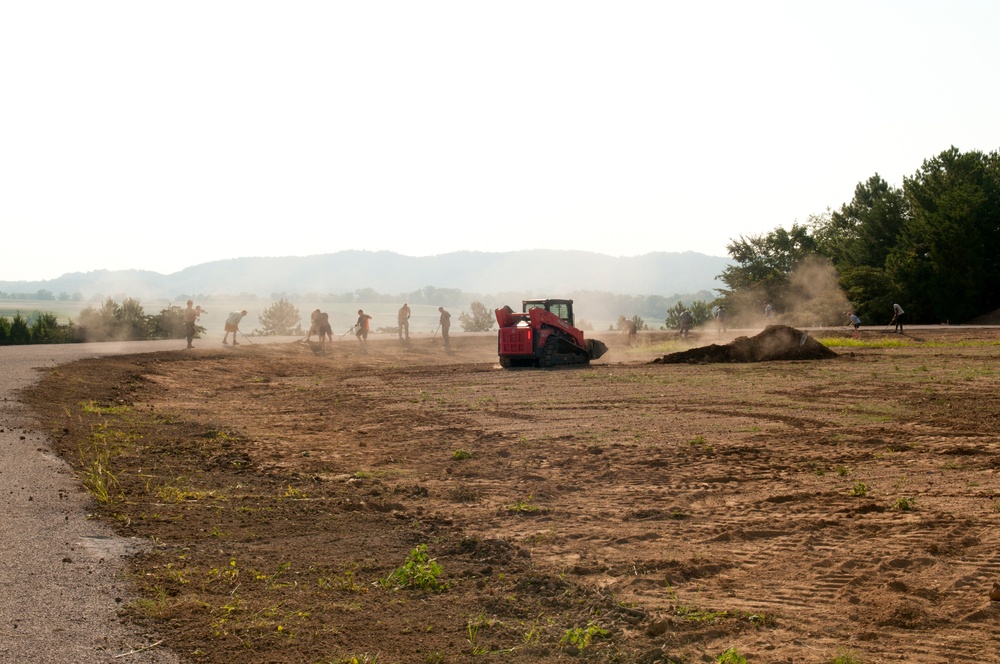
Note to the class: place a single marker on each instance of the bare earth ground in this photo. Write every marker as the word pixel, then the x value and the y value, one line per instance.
pixel 625 512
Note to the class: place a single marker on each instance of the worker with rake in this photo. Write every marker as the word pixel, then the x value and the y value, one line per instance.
pixel 403 320
pixel 233 325
pixel 444 323
pixel 313 325
pixel 325 329
pixel 685 322
pixel 854 322
pixel 897 318
pixel 361 329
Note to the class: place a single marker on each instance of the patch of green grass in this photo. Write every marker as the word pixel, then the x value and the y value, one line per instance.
pixel 461 455
pixel 473 628
pixel 844 656
pixel 345 582
pixel 583 637
pixel 847 342
pixel 175 494
pixel 523 506
pixel 96 408
pixel 692 613
pixel 96 472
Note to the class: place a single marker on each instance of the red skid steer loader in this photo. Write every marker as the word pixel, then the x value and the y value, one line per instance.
pixel 543 335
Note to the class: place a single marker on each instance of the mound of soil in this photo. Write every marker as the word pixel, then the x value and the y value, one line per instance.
pixel 776 342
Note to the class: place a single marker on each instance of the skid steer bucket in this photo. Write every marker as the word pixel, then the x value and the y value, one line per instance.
pixel 596 348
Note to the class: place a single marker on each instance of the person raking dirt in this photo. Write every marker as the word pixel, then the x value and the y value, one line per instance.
pixel 897 318
pixel 361 329
pixel 403 320
pixel 685 322
pixel 629 329
pixel 854 322
pixel 233 325
pixel 313 325
pixel 444 323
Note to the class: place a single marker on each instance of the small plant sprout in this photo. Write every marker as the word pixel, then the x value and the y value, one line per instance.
pixel 731 656
pixel 461 455
pixel 521 506
pixel 859 489
pixel 582 637
pixel 845 656
pixel 419 571
pixel 474 626
pixel 904 504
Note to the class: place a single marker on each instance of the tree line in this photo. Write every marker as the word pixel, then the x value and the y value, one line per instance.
pixel 931 245
pixel 111 321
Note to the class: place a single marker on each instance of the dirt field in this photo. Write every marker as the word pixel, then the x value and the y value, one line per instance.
pixel 625 512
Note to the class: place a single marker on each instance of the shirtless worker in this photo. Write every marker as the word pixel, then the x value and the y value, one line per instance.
pixel 191 315
pixel 313 325
pixel 445 323
pixel 324 329
pixel 403 319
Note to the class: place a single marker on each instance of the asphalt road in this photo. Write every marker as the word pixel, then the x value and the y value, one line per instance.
pixel 61 581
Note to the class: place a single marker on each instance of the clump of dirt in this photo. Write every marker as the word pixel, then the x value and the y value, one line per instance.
pixel 776 342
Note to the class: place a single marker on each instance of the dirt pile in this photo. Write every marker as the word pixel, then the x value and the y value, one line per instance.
pixel 776 342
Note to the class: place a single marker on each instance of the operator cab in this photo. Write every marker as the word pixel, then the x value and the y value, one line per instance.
pixel 561 308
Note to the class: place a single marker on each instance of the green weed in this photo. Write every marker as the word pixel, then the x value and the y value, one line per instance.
pixel 95 468
pixel 689 612
pixel 582 637
pixel 859 489
pixel 845 657
pixel 522 506
pixel 96 408
pixel 904 504
pixel 461 455
pixel 345 582
pixel 419 571
pixel 473 627
pixel 731 656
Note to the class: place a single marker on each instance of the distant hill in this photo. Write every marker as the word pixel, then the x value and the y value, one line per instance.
pixel 542 272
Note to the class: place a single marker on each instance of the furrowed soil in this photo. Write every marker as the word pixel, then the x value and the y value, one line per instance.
pixel 418 505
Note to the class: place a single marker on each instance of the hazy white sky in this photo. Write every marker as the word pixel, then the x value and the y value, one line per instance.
pixel 142 135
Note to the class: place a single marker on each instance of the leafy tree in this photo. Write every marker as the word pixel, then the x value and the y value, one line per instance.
pixel 947 263
pixel 863 232
pixel 763 265
pixel 640 324
pixel 44 328
pixel 4 330
pixel 169 324
pixel 20 333
pixel 132 321
pixel 480 319
pixel 280 319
